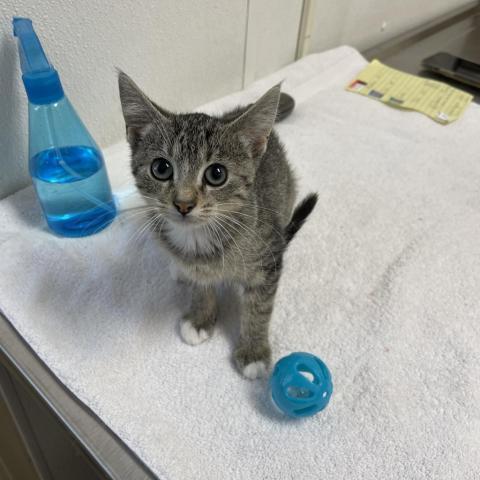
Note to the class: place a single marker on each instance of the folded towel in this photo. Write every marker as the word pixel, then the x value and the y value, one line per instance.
pixel 382 283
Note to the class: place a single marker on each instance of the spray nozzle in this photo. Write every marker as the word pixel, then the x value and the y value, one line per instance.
pixel 40 79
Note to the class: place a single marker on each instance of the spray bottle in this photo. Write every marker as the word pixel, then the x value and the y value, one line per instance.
pixel 65 163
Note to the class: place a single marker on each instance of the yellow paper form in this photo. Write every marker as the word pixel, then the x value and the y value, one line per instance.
pixel 439 101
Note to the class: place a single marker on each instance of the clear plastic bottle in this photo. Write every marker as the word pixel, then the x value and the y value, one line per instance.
pixel 66 164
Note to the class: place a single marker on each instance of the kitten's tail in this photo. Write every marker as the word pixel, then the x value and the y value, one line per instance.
pixel 300 214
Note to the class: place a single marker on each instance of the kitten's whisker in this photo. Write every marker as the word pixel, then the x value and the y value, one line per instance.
pixel 149 198
pixel 137 234
pixel 130 214
pixel 160 222
pixel 151 227
pixel 116 224
pixel 253 217
pixel 134 216
pixel 141 196
pixel 212 228
pixel 255 235
pixel 140 207
pixel 148 226
pixel 225 229
pixel 228 221
pixel 249 204
pixel 280 234
pixel 143 208
pixel 227 225
pixel 223 251
pixel 143 228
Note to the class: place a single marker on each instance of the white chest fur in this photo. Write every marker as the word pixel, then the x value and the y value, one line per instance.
pixel 190 239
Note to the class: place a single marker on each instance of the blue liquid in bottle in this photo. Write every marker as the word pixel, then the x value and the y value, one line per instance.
pixel 71 183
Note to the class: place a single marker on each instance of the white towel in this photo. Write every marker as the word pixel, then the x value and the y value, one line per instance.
pixel 383 283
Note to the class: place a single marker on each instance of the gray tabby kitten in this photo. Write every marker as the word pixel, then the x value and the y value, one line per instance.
pixel 223 195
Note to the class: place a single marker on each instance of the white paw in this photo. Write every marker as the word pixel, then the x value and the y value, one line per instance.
pixel 191 335
pixel 255 370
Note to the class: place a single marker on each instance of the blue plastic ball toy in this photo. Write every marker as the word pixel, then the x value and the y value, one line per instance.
pixel 301 384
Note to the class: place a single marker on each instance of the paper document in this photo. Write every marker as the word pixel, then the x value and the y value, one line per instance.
pixel 439 101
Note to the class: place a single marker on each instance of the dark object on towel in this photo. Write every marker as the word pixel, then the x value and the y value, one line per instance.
pixel 285 106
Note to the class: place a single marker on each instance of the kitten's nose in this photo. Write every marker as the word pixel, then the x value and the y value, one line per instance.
pixel 184 207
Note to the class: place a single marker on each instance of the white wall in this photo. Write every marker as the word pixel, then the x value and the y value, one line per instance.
pixel 365 23
pixel 271 39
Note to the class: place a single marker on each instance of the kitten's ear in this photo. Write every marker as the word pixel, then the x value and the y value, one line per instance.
pixel 255 125
pixel 138 110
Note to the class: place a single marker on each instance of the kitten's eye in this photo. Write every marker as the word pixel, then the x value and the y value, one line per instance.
pixel 216 175
pixel 162 169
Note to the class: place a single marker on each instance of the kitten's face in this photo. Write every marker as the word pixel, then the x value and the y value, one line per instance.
pixel 195 169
